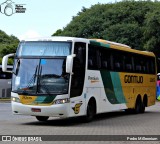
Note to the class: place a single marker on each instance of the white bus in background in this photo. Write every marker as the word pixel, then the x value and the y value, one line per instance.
pixel 5 82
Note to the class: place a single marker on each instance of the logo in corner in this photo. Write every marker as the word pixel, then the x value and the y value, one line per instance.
pixel 9 8
pixel 77 108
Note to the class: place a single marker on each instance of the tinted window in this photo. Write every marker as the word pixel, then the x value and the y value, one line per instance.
pixel 121 61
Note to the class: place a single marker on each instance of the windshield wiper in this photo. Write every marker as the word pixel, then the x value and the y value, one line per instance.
pixel 34 76
pixel 20 92
pixel 32 80
pixel 50 76
pixel 39 84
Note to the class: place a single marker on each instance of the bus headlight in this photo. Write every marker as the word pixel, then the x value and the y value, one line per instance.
pixel 61 101
pixel 15 99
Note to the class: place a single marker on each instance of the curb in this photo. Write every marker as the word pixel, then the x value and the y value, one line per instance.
pixel 5 100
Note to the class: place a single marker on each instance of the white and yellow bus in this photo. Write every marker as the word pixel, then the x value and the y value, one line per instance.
pixel 69 77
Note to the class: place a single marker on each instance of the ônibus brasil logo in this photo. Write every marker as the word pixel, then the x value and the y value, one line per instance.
pixel 9 8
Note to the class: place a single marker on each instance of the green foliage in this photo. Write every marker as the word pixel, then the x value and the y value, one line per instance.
pixel 8 44
pixel 10 61
pixel 152 32
pixel 135 23
pixel 58 32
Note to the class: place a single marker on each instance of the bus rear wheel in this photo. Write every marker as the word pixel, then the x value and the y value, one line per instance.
pixel 142 110
pixel 139 106
pixel 42 118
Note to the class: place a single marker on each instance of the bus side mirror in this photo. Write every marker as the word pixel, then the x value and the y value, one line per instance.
pixel 69 63
pixel 5 62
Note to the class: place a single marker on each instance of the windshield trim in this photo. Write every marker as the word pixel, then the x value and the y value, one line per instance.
pixel 37 94
pixel 40 57
pixel 23 42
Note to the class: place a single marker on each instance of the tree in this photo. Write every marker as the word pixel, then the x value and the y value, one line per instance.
pixel 58 32
pixel 129 34
pixel 135 23
pixel 152 32
pixel 8 44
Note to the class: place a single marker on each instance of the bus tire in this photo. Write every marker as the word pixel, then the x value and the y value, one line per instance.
pixel 42 118
pixel 145 101
pixel 138 106
pixel 142 110
pixel 91 110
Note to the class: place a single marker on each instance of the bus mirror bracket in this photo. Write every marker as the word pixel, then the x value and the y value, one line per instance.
pixel 69 63
pixel 5 62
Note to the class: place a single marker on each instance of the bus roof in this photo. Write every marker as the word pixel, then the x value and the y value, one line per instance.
pixel 110 42
pixel 57 38
pixel 119 46
pixel 101 42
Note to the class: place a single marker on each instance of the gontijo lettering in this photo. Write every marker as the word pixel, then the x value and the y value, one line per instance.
pixel 27 97
pixel 133 79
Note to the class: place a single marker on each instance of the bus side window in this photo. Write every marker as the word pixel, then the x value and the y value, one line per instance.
pixel 94 57
pixel 118 60
pixel 128 62
pixel 137 64
pixel 117 65
pixel 143 66
pixel 152 65
pixel 128 67
pixel 138 68
pixel 98 59
pixel 105 59
pixel 105 64
pixel 92 63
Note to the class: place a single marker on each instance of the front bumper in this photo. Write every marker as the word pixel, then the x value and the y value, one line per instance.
pixel 57 110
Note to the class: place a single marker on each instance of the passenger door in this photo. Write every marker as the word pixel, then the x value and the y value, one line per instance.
pixel 77 82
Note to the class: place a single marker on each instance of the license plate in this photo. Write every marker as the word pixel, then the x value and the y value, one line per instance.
pixel 35 109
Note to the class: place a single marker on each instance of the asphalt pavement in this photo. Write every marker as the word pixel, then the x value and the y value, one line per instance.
pixel 113 123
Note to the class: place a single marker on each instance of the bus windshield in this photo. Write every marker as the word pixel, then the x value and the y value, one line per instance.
pixel 40 76
pixel 39 68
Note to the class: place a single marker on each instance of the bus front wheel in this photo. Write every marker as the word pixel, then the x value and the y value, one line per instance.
pixel 91 110
pixel 42 118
